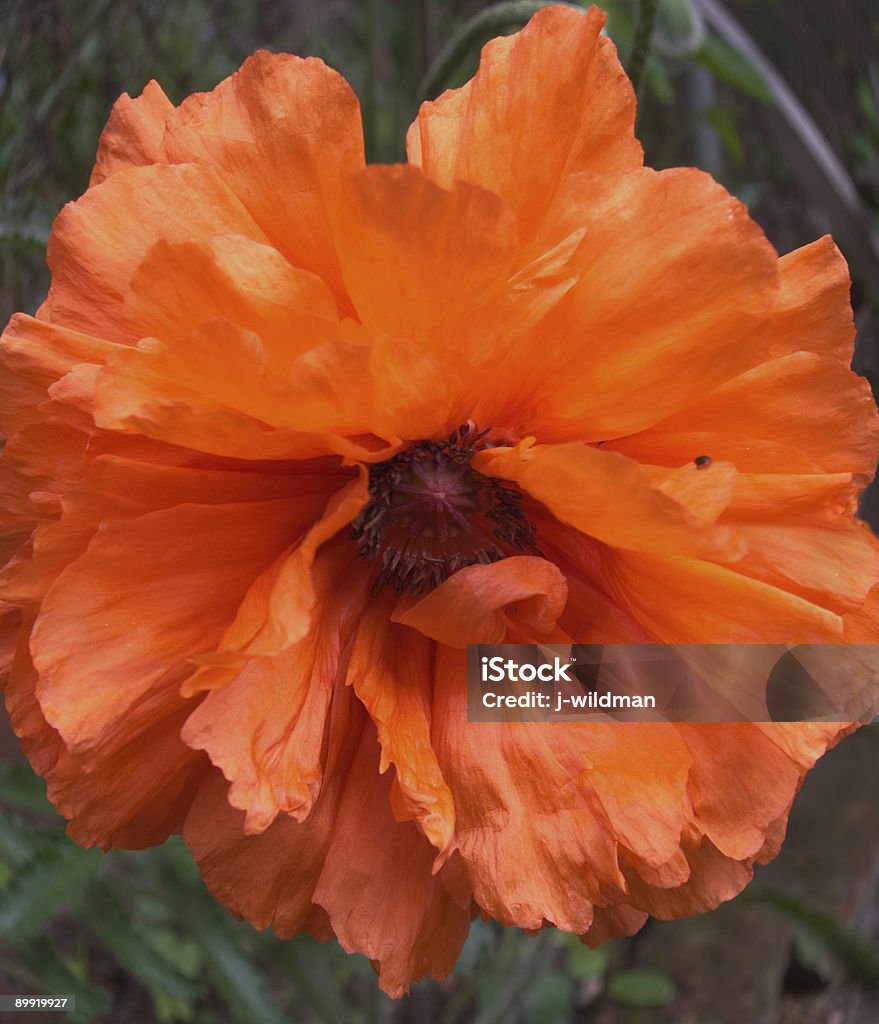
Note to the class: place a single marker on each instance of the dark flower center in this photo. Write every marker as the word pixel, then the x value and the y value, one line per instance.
pixel 430 513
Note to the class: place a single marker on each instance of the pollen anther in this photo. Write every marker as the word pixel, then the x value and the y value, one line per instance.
pixel 430 514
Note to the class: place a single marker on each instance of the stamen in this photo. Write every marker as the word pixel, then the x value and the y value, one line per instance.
pixel 430 514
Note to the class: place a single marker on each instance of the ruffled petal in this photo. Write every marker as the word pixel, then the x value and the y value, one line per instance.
pixel 282 133
pixel 841 567
pixel 133 133
pixel 98 242
pixel 800 413
pixel 544 811
pixel 270 878
pixel 480 603
pixel 612 498
pixel 383 901
pixel 181 287
pixel 548 101
pixel 265 729
pixel 132 792
pixel 148 595
pixel 34 355
pixel 145 480
pixel 278 609
pixel 813 312
pixel 414 254
pixel 676 287
pixel 732 608
pixel 390 671
pixel 217 391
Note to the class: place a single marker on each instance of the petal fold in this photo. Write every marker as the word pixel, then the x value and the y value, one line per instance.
pixel 545 102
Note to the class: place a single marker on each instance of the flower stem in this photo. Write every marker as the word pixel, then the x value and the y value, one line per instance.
pixel 641 47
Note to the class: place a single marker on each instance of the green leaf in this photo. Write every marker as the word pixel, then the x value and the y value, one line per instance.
pixel 550 1000
pixel 643 988
pixel 21 225
pixel 18 841
pixel 720 118
pixel 21 788
pixel 52 881
pixel 234 977
pixel 731 67
pixel 55 976
pixel 812 954
pixel 585 963
pixel 170 1009
pixel 124 938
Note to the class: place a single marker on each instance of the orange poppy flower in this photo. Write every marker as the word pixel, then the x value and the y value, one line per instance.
pixel 251 524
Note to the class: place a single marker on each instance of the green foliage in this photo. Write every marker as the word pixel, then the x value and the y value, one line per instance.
pixel 147 913
pixel 73 919
pixel 641 988
pixel 855 953
pixel 730 67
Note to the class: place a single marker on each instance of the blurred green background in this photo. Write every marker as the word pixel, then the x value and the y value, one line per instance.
pixel 779 99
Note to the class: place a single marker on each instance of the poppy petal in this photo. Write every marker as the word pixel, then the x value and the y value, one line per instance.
pixel 171 598
pixel 383 901
pixel 813 311
pixel 479 603
pixel 93 253
pixel 282 132
pixel 270 878
pixel 822 418
pixel 132 793
pixel 180 393
pixel 133 134
pixel 611 498
pixel 414 254
pixel 547 101
pixel 543 810
pixel 676 286
pixel 732 608
pixel 390 672
pixel 265 728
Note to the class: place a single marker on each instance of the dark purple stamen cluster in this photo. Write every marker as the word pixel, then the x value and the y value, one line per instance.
pixel 430 513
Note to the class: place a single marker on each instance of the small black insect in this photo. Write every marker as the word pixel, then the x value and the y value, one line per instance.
pixel 703 461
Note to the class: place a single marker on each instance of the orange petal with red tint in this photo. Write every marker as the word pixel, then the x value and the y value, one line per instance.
pixel 270 878
pixel 813 311
pixel 390 670
pixel 533 847
pixel 282 133
pixel 133 134
pixel 179 288
pixel 414 254
pixel 676 285
pixel 132 792
pixel 93 252
pixel 548 101
pixel 145 597
pixel 611 498
pixel 732 608
pixel 265 729
pixel 214 391
pixel 377 886
pixel 800 413
pixel 479 603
